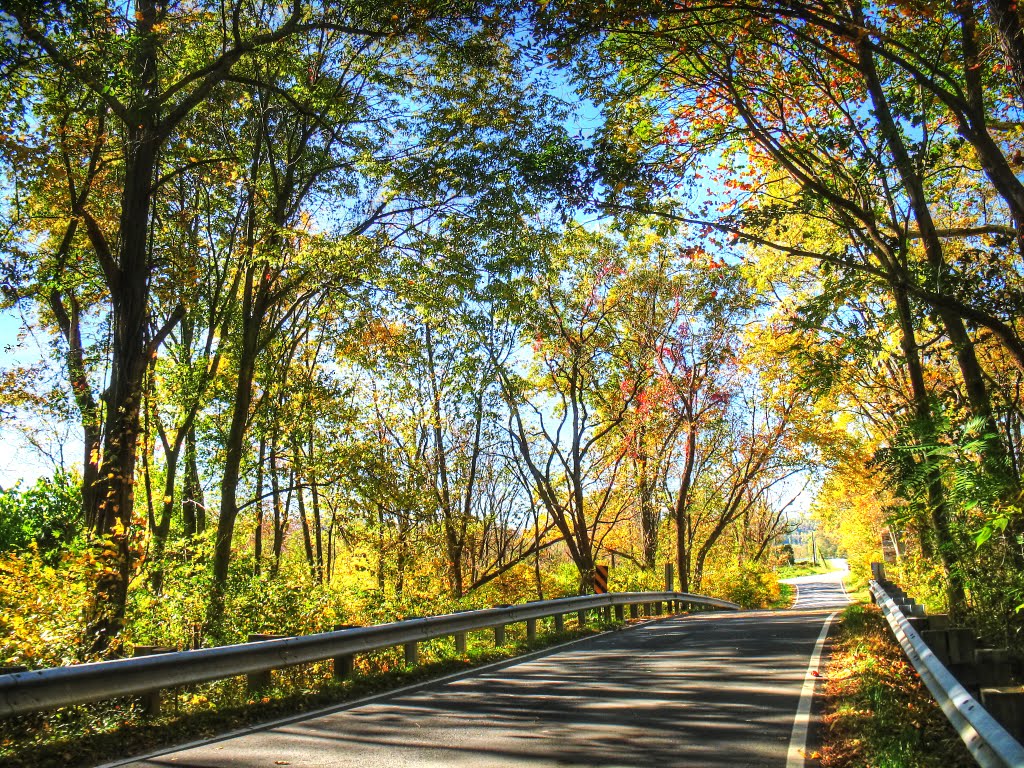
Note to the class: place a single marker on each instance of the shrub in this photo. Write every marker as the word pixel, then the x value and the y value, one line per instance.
pixel 47 515
pixel 41 609
pixel 749 586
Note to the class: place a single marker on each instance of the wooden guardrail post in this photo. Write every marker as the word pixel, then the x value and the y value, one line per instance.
pixel 581 619
pixel 531 630
pixel 460 643
pixel 993 667
pixel 344 664
pixel 256 681
pixel 559 622
pixel 151 699
pixel 499 635
pixel 634 611
pixel 620 613
pixel 411 651
pixel 955 645
pixel 1006 705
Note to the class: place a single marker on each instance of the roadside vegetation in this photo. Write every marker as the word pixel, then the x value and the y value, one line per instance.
pixel 877 711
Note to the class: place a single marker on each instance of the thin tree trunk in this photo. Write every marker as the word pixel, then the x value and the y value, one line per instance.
pixel 307 540
pixel 193 505
pixel 318 538
pixel 258 533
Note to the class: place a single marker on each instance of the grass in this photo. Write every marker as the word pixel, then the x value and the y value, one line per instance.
pixel 800 569
pixel 786 595
pixel 89 734
pixel 877 711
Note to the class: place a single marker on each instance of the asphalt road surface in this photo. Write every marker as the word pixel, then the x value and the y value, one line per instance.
pixel 714 689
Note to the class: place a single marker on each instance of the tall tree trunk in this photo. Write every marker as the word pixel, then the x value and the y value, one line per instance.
pixel 649 517
pixel 454 543
pixel 682 512
pixel 970 369
pixel 938 525
pixel 131 351
pixel 1008 20
pixel 254 306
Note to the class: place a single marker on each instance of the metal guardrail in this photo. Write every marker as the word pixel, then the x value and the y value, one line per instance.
pixel 36 690
pixel 987 740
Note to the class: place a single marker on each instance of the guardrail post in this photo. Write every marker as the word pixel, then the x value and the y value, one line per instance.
pixel 648 609
pixel 412 653
pixel 951 646
pixel 151 699
pixel 1006 705
pixel 256 681
pixel 607 611
pixel 992 666
pixel 559 622
pixel 499 635
pixel 657 607
pixel 344 664
pixel 634 611
pixel 581 618
pixel 460 643
pixel 531 630
pixel 620 613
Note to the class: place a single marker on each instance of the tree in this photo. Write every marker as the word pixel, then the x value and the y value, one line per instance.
pixel 563 414
pixel 145 105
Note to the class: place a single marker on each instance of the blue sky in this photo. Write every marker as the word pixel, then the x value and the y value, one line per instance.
pixel 19 460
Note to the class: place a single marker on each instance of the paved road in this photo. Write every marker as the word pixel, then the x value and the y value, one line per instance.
pixel 712 690
pixel 820 591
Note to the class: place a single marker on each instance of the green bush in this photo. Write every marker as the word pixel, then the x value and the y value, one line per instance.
pixel 748 586
pixel 47 515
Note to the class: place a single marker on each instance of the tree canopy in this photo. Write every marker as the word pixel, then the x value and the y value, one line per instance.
pixel 367 310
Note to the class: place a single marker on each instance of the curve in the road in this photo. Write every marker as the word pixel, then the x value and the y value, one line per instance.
pixel 820 591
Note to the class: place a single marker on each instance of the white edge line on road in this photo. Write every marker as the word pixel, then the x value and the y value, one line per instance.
pixel 352 704
pixel 842 583
pixel 801 723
